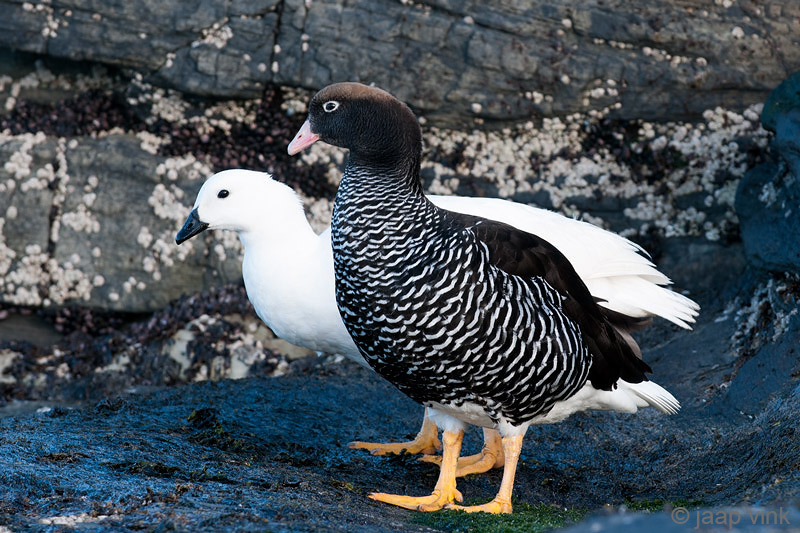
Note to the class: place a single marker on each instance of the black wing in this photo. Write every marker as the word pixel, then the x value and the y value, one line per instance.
pixel 614 353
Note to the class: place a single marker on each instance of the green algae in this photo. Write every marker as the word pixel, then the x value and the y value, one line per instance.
pixel 525 518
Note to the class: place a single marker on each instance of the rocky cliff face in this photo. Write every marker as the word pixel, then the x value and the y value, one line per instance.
pixel 452 60
pixel 100 171
pixel 640 117
pixel 97 181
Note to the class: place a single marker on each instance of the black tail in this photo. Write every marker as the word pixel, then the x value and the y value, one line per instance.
pixel 616 355
pixel 625 324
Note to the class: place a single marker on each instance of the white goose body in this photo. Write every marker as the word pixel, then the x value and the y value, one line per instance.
pixel 289 276
pixel 291 286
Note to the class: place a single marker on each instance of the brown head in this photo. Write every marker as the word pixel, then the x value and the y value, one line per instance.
pixel 371 123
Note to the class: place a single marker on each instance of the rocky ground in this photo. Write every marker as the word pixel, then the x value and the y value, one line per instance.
pixel 139 391
pixel 147 446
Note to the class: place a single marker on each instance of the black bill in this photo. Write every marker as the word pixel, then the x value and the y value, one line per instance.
pixel 191 227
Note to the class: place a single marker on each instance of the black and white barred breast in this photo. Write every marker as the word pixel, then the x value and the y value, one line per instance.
pixel 431 312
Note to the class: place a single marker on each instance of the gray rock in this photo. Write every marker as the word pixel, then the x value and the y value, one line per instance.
pixel 91 220
pixel 64 240
pixel 454 61
pixel 98 228
pixel 768 197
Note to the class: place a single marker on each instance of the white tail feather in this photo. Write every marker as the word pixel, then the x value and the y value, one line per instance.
pixel 636 297
pixel 650 394
pixel 625 398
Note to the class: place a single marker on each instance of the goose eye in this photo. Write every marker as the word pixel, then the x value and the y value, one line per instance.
pixel 223 193
pixel 330 106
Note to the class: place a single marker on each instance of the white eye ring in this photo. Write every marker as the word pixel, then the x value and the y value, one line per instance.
pixel 330 106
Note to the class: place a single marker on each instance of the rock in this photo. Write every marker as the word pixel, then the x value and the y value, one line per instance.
pixel 765 342
pixel 212 335
pixel 89 221
pixel 454 61
pixel 93 193
pixel 220 458
pixel 768 197
pixel 715 276
pixel 27 328
pixel 101 179
pixel 764 373
pixel 271 452
pixel 783 100
pixel 76 127
pixel 766 203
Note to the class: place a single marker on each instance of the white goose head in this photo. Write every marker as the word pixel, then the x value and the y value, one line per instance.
pixel 242 201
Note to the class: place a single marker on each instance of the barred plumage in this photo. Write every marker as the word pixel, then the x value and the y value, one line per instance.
pixel 432 314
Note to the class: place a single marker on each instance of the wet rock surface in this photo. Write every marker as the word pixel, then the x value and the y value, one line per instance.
pixel 270 452
pixel 227 455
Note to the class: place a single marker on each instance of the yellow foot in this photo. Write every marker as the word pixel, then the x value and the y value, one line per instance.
pixel 471 464
pixel 426 441
pixel 491 456
pixel 397 448
pixel 434 502
pixel 495 506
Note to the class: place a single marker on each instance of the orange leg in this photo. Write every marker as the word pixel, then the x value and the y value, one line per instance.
pixel 502 502
pixel 445 491
pixel 426 441
pixel 491 456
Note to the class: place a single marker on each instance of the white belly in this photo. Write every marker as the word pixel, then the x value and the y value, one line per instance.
pixel 626 398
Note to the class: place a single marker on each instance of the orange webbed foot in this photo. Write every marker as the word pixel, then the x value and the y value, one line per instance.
pixel 426 442
pixel 437 500
pixel 496 506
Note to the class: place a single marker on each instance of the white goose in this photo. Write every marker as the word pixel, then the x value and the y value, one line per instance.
pixel 288 275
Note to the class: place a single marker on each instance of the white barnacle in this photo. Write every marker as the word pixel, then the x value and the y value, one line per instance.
pixel 217 35
pixel 88 199
pixel 81 220
pixel 149 264
pixel 145 238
